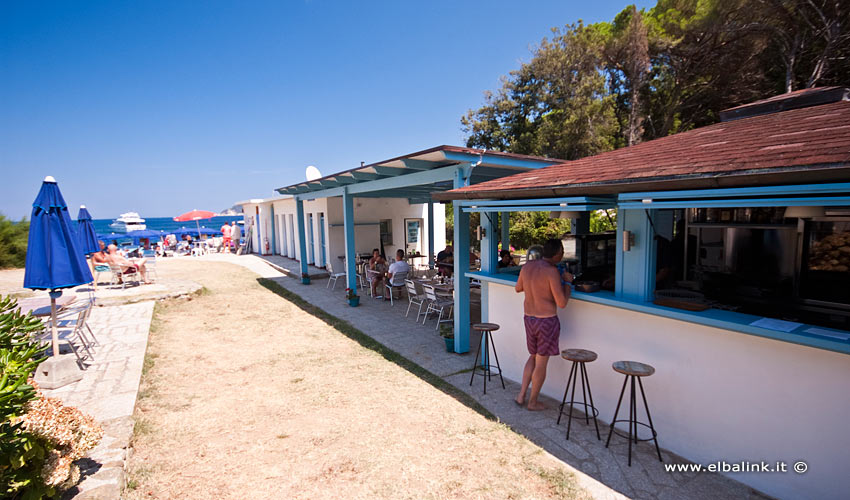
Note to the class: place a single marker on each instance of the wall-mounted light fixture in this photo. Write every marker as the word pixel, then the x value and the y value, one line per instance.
pixel 646 201
pixel 628 240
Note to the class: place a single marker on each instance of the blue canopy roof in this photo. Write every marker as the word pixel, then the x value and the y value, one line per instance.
pixel 86 233
pixel 145 233
pixel 54 258
pixel 194 231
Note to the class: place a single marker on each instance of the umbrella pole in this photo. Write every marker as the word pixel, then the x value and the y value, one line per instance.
pixel 198 224
pixel 54 333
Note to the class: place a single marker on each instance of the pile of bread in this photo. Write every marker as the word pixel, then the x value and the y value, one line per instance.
pixel 831 253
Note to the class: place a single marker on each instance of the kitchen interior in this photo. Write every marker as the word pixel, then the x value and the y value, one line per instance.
pixel 789 263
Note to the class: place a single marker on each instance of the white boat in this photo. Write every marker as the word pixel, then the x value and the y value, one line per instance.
pixel 127 222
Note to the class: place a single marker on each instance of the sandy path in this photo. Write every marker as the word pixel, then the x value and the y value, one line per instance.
pixel 247 396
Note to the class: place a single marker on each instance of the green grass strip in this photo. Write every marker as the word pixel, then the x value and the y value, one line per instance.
pixel 368 342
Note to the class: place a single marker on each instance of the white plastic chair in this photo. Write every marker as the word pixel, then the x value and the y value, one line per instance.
pixel 437 304
pixel 119 275
pixel 414 297
pixel 396 282
pixel 332 276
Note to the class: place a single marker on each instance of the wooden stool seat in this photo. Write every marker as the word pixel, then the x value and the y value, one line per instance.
pixel 634 368
pixel 580 355
pixel 485 327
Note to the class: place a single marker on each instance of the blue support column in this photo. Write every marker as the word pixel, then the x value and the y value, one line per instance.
pixel 635 269
pixel 461 261
pixel 302 241
pixel 431 234
pixel 348 221
pixel 489 243
pixel 273 230
pixel 506 230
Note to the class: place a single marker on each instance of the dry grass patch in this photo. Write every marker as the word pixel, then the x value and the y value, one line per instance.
pixel 249 396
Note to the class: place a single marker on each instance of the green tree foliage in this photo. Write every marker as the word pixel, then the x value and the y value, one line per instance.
pixel 21 453
pixel 13 242
pixel 648 74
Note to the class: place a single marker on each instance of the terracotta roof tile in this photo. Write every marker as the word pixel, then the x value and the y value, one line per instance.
pixel 797 138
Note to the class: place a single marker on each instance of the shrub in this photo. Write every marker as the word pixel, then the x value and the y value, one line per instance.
pixel 39 438
pixel 13 242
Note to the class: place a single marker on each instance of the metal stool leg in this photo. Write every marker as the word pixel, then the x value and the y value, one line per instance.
pixel 566 391
pixel 584 394
pixel 631 416
pixel 592 406
pixel 651 427
pixel 498 366
pixel 485 360
pixel 474 364
pixel 617 411
pixel 572 401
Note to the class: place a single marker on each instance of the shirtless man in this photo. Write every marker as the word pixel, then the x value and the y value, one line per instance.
pixel 115 258
pixel 545 291
pixel 100 258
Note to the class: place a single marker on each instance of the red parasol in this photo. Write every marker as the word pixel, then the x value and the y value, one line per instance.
pixel 195 215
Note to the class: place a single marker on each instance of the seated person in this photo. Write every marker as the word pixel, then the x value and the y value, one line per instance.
pixel 399 266
pixel 445 261
pixel 505 259
pixel 125 264
pixel 376 263
pixel 100 258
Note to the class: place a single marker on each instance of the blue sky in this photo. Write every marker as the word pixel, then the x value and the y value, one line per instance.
pixel 162 107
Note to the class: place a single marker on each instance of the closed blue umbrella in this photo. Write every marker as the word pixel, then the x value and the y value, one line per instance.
pixel 54 258
pixel 86 233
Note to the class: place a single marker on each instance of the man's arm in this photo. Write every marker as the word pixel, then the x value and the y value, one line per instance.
pixel 561 292
pixel 519 284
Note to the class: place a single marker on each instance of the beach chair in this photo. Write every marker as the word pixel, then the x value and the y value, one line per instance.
pixel 98 270
pixel 396 283
pixel 121 277
pixel 414 297
pixel 77 317
pixel 69 335
pixel 332 276
pixel 150 264
pixel 437 304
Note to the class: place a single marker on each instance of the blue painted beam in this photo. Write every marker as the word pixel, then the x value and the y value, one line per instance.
pixel 831 201
pixel 430 214
pixel 348 220
pixel 461 266
pixel 420 164
pixel 390 171
pixel 505 219
pixel 498 160
pixel 798 189
pixel 345 179
pixel 635 269
pixel 365 176
pixel 302 240
pixel 571 200
pixel 328 183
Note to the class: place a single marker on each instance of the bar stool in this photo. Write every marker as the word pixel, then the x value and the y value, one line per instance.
pixel 633 370
pixel 579 357
pixel 486 330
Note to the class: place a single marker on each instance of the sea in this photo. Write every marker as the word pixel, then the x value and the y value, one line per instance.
pixel 101 226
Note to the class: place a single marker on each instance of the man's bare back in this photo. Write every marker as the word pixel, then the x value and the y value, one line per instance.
pixel 544 293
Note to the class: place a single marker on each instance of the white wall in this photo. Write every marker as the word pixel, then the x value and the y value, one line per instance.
pixel 366 236
pixel 715 395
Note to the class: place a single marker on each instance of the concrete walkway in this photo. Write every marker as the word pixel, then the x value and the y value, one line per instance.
pixel 107 392
pixel 597 467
